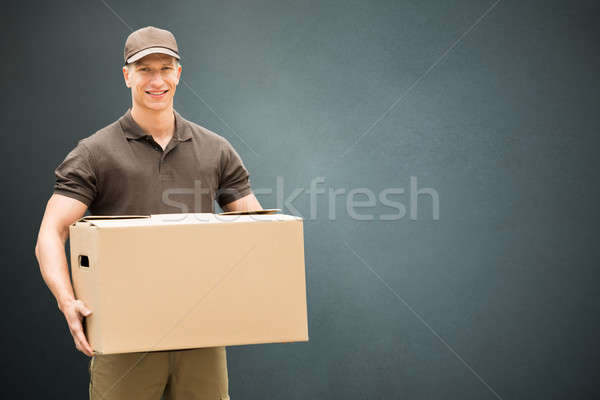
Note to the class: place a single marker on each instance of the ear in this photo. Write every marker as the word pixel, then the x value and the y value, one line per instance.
pixel 126 76
pixel 178 74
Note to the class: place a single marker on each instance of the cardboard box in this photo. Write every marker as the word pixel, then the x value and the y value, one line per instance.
pixel 176 281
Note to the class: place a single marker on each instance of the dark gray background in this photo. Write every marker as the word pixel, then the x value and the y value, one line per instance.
pixel 498 295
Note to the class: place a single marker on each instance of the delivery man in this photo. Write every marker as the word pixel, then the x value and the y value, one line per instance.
pixel 149 161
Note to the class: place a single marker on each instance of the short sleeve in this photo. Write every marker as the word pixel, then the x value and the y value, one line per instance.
pixel 234 182
pixel 75 176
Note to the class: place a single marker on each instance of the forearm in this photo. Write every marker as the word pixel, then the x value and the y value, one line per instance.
pixel 50 253
pixel 246 203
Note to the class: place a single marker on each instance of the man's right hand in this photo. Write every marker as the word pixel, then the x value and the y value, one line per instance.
pixel 74 312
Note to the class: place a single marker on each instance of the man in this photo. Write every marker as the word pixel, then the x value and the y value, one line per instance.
pixel 150 161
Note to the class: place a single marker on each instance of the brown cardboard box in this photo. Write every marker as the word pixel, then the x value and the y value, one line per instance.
pixel 176 281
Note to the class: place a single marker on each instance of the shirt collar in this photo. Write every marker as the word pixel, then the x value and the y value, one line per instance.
pixel 132 130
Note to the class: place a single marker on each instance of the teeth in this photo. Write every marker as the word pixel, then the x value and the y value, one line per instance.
pixel 164 91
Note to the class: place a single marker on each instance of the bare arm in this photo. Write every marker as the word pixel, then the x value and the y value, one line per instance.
pixel 246 203
pixel 62 211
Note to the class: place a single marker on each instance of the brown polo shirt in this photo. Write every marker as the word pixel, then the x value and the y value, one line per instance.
pixel 121 170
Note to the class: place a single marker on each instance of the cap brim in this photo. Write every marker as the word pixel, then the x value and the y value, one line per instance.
pixel 151 50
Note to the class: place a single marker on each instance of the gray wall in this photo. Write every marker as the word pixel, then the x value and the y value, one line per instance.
pixel 497 298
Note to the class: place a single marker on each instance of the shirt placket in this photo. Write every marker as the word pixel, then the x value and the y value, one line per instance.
pixel 164 173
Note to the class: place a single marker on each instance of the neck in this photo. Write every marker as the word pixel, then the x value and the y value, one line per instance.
pixel 159 124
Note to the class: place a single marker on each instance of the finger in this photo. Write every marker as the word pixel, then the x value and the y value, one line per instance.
pixel 75 326
pixel 82 309
pixel 86 348
pixel 82 349
pixel 83 346
pixel 79 339
pixel 88 352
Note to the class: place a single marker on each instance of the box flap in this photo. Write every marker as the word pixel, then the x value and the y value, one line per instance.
pixel 255 212
pixel 111 217
pixel 186 219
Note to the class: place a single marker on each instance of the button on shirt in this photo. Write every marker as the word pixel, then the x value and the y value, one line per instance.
pixel 121 170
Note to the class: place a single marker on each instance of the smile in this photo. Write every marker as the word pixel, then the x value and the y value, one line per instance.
pixel 159 93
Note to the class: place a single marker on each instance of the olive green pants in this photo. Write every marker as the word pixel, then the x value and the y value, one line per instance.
pixel 194 374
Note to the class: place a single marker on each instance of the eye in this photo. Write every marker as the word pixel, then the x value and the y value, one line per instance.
pixel 166 68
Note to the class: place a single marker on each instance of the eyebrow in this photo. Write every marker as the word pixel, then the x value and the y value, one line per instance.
pixel 168 63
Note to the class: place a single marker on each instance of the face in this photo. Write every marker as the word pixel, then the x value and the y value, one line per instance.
pixel 153 80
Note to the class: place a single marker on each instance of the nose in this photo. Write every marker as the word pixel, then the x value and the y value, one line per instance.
pixel 156 79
